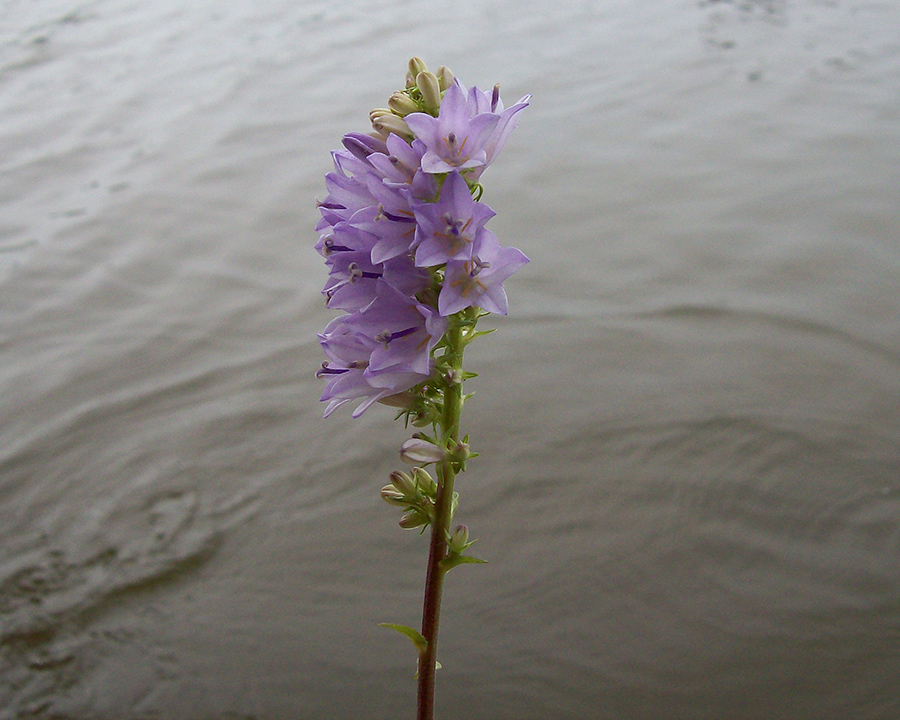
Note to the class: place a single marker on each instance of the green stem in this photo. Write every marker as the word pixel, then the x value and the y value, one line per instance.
pixel 434 579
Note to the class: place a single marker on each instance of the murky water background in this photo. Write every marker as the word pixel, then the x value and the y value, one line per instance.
pixel 689 488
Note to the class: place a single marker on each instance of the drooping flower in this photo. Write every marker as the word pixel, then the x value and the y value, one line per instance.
pixel 380 351
pixel 348 357
pixel 404 331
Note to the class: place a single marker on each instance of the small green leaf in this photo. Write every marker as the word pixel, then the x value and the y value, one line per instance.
pixel 417 639
pixel 448 563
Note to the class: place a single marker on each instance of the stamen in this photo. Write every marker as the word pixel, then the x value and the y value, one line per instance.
pixel 355 272
pixel 326 370
pixel 386 336
pixel 329 246
pixel 397 218
pixel 478 265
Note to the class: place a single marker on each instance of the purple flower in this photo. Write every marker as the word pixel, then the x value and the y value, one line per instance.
pixel 348 353
pixel 351 282
pixel 404 332
pixel 380 351
pixel 477 281
pixel 479 102
pixel 343 237
pixel 391 221
pixel 454 139
pixel 346 195
pixel 398 218
pixel 447 228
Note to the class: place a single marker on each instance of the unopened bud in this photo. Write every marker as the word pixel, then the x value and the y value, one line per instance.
pixel 387 124
pixel 460 452
pixel 454 376
pixel 403 483
pixel 417 65
pixel 417 450
pixel 459 539
pixel 413 519
pixel 376 113
pixel 390 495
pixel 402 104
pixel 444 76
pixel 424 482
pixel 431 91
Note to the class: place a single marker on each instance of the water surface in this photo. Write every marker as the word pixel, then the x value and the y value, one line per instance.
pixel 689 486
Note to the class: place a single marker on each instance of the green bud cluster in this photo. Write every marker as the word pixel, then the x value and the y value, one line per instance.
pixel 423 92
pixel 414 493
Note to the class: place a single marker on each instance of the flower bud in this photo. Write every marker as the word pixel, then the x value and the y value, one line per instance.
pixel 379 112
pixel 390 495
pixel 431 91
pixel 424 482
pixel 402 104
pixel 387 124
pixel 404 484
pixel 460 452
pixel 445 77
pixel 417 450
pixel 459 539
pixel 413 519
pixel 416 66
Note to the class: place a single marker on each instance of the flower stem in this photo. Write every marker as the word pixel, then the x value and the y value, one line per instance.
pixel 443 510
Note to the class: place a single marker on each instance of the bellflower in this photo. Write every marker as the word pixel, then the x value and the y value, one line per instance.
pixel 454 139
pixel 447 228
pixel 391 221
pixel 413 267
pixel 479 102
pixel 404 330
pixel 477 281
pixel 382 350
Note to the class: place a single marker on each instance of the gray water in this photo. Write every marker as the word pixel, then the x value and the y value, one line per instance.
pixel 689 426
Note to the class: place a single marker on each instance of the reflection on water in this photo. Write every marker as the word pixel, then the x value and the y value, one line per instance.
pixel 688 488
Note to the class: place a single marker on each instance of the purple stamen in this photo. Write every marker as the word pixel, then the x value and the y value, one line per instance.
pixel 356 273
pixel 386 336
pixel 325 370
pixel 329 246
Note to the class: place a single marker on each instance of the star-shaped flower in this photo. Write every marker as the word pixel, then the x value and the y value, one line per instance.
pixel 447 228
pixel 454 139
